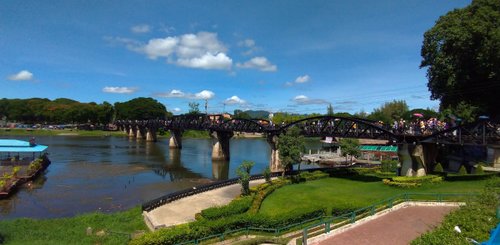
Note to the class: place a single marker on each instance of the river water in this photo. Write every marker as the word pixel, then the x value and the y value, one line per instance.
pixel 109 174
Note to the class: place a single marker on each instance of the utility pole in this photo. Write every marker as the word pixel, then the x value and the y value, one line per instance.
pixel 206 106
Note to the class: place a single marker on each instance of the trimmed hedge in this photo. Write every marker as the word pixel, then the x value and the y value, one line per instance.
pixel 263 190
pixel 203 228
pixel 412 182
pixel 459 177
pixel 314 175
pixel 475 220
pixel 237 206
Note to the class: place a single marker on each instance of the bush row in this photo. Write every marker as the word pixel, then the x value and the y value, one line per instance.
pixel 203 228
pixel 474 220
pixel 263 190
pixel 237 206
pixel 314 175
pixel 412 182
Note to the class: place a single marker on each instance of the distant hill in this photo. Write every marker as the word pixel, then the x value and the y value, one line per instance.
pixel 258 114
pixel 253 114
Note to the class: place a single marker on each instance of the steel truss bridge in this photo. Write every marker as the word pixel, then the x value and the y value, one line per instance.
pixel 481 132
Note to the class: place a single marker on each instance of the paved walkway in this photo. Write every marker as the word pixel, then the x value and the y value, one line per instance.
pixel 397 227
pixel 183 210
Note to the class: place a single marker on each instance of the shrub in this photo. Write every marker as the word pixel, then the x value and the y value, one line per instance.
pixel 15 170
pixel 267 174
pixel 243 172
pixel 2 185
pixel 203 228
pixel 313 175
pixel 35 165
pixel 479 169
pixel 462 170
pixel 389 165
pixel 263 191
pixel 410 182
pixel 237 206
pixel 475 220
pixel 438 168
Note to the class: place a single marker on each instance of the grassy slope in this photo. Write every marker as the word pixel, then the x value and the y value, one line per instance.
pixel 341 193
pixel 72 230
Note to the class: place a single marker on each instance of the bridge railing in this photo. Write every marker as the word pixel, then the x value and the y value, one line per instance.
pixel 150 205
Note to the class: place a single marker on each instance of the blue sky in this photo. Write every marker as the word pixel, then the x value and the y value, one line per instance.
pixel 286 55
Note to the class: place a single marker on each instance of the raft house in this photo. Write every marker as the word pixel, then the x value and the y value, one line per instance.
pixel 20 162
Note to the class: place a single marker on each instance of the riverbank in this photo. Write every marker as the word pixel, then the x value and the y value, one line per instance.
pixel 100 133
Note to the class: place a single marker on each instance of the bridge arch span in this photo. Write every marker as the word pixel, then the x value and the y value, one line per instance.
pixel 335 126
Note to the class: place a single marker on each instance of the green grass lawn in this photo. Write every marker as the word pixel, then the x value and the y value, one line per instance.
pixel 349 194
pixel 73 230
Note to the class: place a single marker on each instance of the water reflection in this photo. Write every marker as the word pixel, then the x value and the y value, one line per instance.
pixel 220 170
pixel 114 173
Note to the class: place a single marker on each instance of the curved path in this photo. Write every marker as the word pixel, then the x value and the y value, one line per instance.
pixel 183 210
pixel 396 227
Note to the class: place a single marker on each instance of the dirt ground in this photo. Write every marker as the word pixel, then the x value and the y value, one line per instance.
pixel 397 227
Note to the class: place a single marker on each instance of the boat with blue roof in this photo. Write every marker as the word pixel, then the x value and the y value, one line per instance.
pixel 20 162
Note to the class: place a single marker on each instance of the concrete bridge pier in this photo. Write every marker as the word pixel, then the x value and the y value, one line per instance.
pixel 140 133
pixel 220 142
pixel 126 129
pixel 417 159
pixel 493 155
pixel 175 139
pixel 275 162
pixel 151 135
pixel 132 132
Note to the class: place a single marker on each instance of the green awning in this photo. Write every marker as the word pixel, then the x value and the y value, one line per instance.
pixel 389 148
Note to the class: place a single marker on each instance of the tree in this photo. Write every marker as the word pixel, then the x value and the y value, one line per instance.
pixel 194 108
pixel 290 147
pixel 389 111
pixel 243 171
pixel 241 114
pixel 329 110
pixel 462 56
pixel 349 147
pixel 140 109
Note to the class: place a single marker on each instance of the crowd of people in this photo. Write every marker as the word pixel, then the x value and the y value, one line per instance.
pixel 420 126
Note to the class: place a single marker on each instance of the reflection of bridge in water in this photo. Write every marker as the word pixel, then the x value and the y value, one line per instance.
pixel 417 151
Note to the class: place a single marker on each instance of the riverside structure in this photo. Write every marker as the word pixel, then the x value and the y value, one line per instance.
pixel 418 150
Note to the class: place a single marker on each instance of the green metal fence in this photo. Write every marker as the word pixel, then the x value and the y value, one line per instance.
pixel 324 224
pixel 330 223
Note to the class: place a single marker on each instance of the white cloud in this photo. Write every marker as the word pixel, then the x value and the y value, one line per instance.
pixel 173 94
pixel 302 79
pixel 248 43
pixel 234 100
pixel 160 47
pixel 202 50
pixel 299 80
pixel 207 61
pixel 140 29
pixel 23 75
pixel 304 100
pixel 260 63
pixel 176 109
pixel 119 90
pixel 203 95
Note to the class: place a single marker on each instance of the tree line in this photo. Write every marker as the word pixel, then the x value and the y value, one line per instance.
pixel 68 111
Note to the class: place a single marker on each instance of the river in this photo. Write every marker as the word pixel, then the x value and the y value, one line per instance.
pixel 109 174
